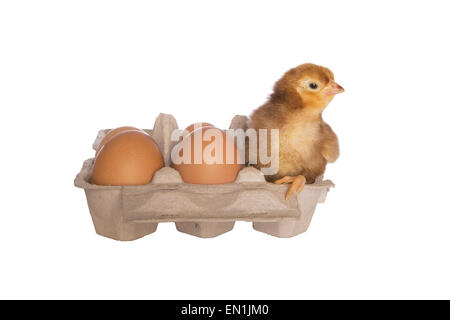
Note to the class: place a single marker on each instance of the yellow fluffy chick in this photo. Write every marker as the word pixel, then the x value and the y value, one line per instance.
pixel 306 142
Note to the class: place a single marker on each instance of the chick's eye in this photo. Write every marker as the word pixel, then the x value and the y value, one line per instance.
pixel 313 85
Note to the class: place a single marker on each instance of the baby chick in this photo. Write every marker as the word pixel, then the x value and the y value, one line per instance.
pixel 306 142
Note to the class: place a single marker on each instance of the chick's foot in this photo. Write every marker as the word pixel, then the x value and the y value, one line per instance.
pixel 297 184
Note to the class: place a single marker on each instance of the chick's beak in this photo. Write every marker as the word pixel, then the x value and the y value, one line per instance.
pixel 333 88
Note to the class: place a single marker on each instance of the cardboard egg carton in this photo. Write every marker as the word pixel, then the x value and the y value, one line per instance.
pixel 131 212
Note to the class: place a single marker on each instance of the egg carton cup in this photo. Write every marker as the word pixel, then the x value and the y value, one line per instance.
pixel 131 212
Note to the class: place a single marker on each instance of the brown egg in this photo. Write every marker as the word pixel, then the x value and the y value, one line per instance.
pixel 198 125
pixel 194 126
pixel 208 172
pixel 113 133
pixel 129 158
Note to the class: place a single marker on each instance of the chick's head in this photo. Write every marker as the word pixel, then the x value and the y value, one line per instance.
pixel 311 85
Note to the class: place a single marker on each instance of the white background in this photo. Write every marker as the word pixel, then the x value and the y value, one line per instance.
pixel 69 68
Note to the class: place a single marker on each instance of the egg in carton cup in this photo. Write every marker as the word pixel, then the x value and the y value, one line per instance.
pixel 131 212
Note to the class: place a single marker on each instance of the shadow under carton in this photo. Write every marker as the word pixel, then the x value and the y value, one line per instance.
pixel 131 212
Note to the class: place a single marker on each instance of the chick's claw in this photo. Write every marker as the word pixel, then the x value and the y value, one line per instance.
pixel 297 184
pixel 284 180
